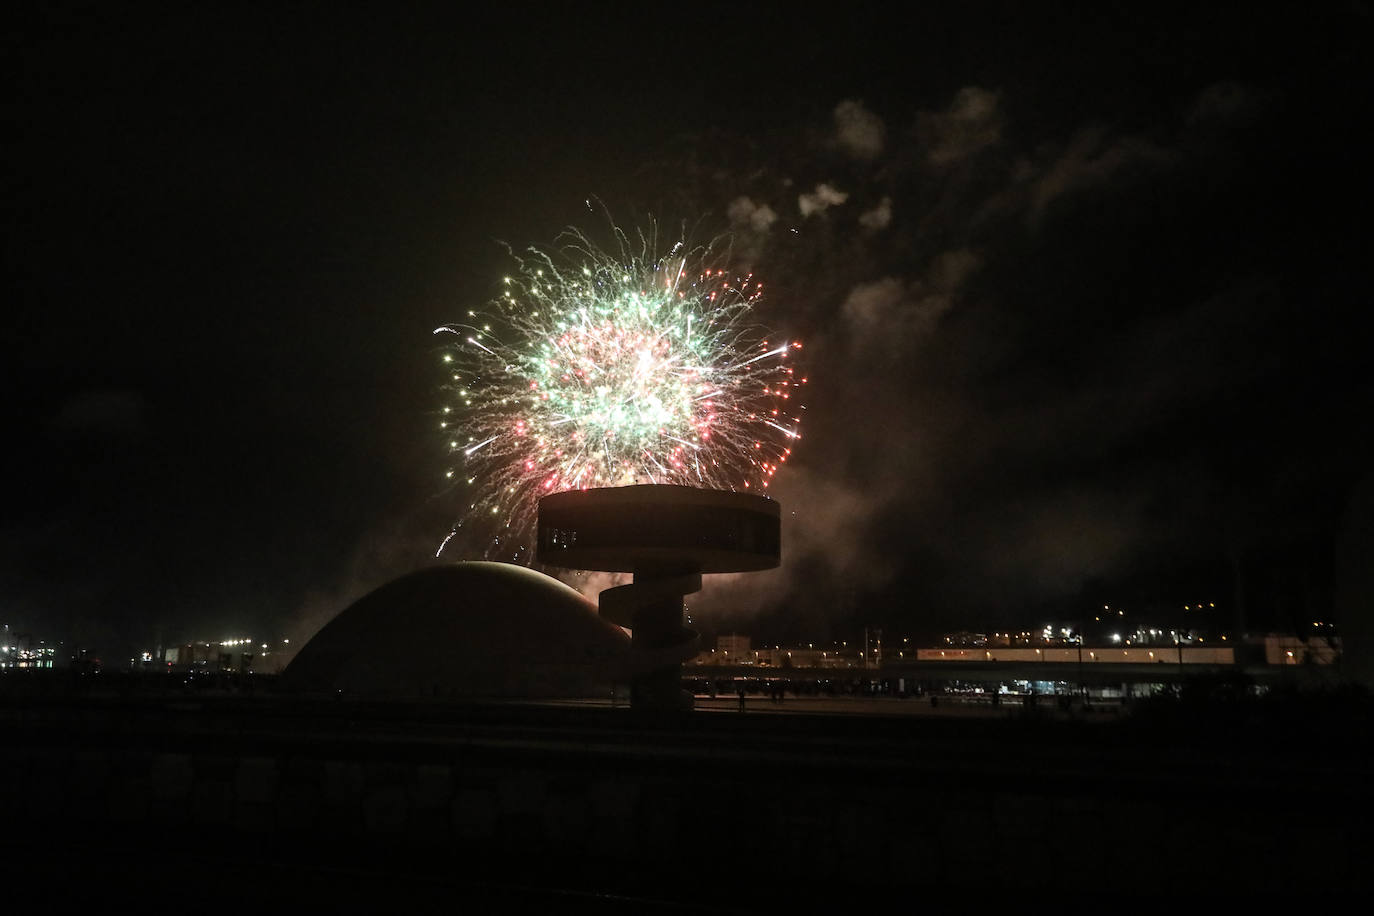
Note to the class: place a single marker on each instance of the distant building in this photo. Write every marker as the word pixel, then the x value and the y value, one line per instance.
pixel 780 656
pixel 40 656
pixel 1189 655
pixel 239 656
pixel 732 646
pixel 22 651
pixel 1293 650
pixel 1143 647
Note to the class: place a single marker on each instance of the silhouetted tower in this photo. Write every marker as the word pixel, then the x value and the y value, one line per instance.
pixel 667 536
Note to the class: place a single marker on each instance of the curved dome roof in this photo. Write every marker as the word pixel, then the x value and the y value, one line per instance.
pixel 467 629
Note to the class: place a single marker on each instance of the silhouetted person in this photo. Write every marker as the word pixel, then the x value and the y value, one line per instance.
pixel 740 690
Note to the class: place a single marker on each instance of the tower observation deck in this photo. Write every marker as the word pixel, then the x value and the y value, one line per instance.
pixel 668 537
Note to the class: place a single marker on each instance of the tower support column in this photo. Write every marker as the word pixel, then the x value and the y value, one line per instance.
pixel 656 627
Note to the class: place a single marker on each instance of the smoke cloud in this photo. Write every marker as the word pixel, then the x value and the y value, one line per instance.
pixel 971 401
pixel 819 200
pixel 745 214
pixel 859 131
pixel 879 217
pixel 1092 159
pixel 891 313
pixel 971 123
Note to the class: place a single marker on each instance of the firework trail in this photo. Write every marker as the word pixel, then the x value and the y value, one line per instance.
pixel 596 369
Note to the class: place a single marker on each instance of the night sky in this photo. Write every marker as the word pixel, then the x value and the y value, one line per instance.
pixel 1082 294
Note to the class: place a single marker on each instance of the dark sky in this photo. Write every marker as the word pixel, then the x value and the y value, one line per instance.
pixel 1082 293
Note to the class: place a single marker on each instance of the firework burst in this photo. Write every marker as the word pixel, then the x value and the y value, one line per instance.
pixel 596 369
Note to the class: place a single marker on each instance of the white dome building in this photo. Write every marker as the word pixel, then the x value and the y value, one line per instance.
pixel 472 629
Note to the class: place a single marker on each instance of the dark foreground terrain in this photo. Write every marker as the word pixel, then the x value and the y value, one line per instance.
pixel 245 801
